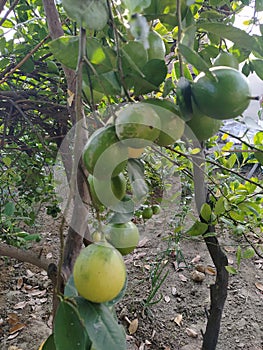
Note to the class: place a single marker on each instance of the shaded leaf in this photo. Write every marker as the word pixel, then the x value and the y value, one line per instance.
pixel 248 253
pixel 236 35
pixel 258 67
pixel 69 330
pixel 49 343
pixel 139 187
pixel 101 326
pixel 194 58
pixel 70 289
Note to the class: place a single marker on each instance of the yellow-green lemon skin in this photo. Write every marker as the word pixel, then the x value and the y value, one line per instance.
pixel 224 97
pixel 99 272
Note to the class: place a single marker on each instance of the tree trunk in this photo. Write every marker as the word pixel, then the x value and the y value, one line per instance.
pixel 218 291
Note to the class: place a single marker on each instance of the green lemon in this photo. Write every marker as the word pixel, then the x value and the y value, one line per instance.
pixel 124 237
pixel 137 125
pixel 107 196
pixel 99 272
pixel 104 154
pixel 224 97
pixel 202 126
pixel 157 47
pixel 147 213
pixel 226 59
pixel 172 126
pixel 156 209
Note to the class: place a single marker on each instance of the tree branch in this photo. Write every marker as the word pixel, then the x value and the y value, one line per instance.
pixel 24 256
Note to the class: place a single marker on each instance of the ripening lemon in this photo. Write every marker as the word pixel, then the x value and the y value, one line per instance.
pixel 99 272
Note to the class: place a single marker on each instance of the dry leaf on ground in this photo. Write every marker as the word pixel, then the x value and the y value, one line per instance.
pixel 178 319
pixel 133 326
pixel 259 286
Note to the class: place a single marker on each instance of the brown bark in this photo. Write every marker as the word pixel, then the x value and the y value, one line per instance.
pixel 78 226
pixel 24 256
pixel 218 291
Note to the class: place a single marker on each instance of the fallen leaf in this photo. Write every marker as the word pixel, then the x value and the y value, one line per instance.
pixel 229 249
pixel 17 328
pixel 209 270
pixel 20 305
pixel 167 348
pixel 196 259
pixel 12 347
pixel 197 276
pixel 20 282
pixel 191 333
pixel 147 342
pixel 143 242
pixel 174 291
pixel 200 267
pixel 167 299
pixel 182 277
pixel 133 326
pixel 141 346
pixel 147 267
pixel 29 273
pixel 12 336
pixel 259 286
pixel 12 318
pixel 49 255
pixel 178 319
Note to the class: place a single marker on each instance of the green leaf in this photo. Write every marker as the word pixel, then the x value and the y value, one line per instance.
pixel 259 156
pixel 231 161
pixel 248 253
pixel 259 5
pixel 220 206
pixel 258 67
pixel 66 50
pixel 103 329
pixel 231 269
pixel 136 6
pixel 198 228
pixel 195 59
pixel 7 161
pixel 70 289
pixel 9 209
pixel 236 35
pixel 154 73
pixel 69 330
pixel 236 216
pixel 49 343
pixel 139 187
pixel 206 212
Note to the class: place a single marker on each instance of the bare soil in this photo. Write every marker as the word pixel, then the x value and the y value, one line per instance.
pixel 175 322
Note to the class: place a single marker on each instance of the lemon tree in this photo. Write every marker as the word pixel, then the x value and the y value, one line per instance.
pixel 99 272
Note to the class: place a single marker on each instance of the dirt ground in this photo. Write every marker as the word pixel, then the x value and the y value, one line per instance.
pixel 175 322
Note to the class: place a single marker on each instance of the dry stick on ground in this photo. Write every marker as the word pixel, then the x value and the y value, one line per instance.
pixel 218 291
